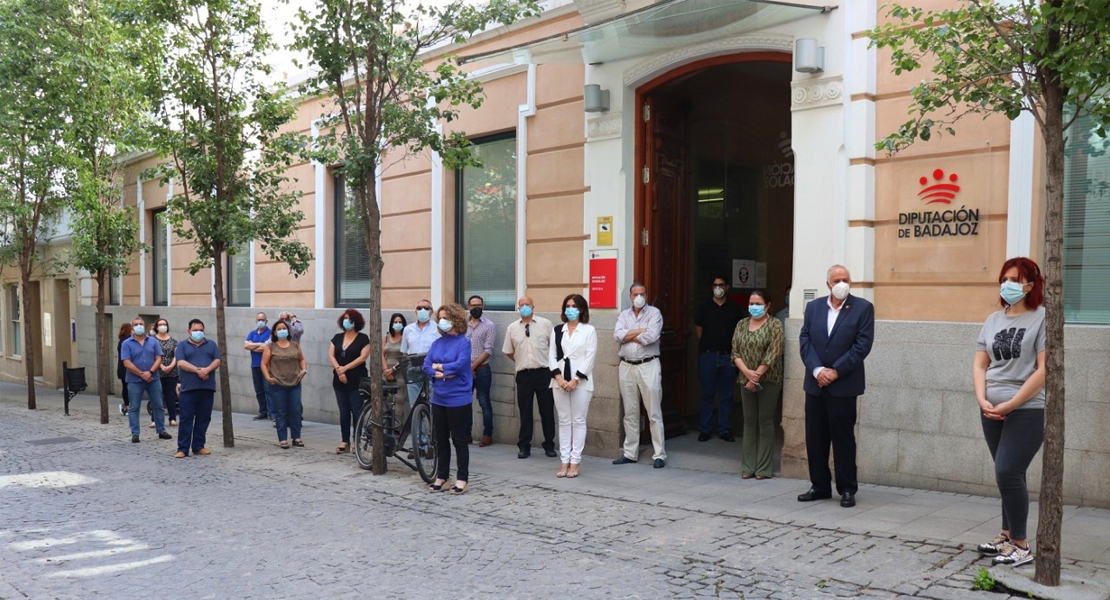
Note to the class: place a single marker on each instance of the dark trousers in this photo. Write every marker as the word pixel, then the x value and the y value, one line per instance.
pixel 831 419
pixel 262 392
pixel 196 414
pixel 169 396
pixel 483 381
pixel 718 378
pixel 452 426
pixel 123 392
pixel 535 382
pixel 1013 442
pixel 350 407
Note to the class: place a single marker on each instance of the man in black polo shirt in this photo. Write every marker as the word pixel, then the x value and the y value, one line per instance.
pixel 716 321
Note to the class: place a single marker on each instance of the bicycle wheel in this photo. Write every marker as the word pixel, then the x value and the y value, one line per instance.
pixel 424 443
pixel 364 439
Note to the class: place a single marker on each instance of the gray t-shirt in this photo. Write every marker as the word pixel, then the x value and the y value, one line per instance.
pixel 1012 342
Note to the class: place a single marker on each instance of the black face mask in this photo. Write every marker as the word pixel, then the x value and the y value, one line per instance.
pixel 476 312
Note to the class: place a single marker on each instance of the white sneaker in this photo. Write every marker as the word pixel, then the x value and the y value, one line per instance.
pixel 1013 555
pixel 993 547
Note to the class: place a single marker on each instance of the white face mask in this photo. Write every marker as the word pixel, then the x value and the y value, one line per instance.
pixel 840 290
pixel 639 301
pixel 718 292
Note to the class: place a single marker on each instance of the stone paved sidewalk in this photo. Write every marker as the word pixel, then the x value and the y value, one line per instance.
pixel 97 515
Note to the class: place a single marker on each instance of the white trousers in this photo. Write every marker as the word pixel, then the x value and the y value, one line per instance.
pixel 572 410
pixel 642 382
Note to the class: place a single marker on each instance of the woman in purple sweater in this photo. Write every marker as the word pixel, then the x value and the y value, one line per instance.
pixel 447 366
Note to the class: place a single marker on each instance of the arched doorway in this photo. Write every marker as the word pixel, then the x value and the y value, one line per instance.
pixel 716 199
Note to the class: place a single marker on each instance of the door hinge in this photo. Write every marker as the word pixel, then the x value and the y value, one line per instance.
pixel 646 175
pixel 647 113
pixel 644 237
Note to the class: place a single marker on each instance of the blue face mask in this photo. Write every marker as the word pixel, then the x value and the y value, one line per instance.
pixel 757 311
pixel 1012 292
pixel 260 324
pixel 282 334
pixel 572 313
pixel 198 336
pixel 423 315
pixel 525 311
pixel 348 325
pixel 398 327
pixel 138 330
pixel 444 325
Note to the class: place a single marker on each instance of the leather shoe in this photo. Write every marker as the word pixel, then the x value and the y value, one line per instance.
pixel 848 500
pixel 523 454
pixel 813 494
pixel 659 464
pixel 551 453
pixel 486 441
pixel 623 460
pixel 704 437
pixel 728 437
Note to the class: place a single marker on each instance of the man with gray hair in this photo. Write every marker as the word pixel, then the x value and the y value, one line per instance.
pixel 836 337
pixel 641 376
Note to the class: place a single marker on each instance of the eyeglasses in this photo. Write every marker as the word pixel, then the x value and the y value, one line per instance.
pixel 527 332
pixel 423 308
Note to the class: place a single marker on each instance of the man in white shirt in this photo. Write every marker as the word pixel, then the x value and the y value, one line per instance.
pixel 637 331
pixel 417 338
pixel 526 344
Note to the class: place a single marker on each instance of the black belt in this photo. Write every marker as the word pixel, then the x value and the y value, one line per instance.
pixel 716 352
pixel 639 362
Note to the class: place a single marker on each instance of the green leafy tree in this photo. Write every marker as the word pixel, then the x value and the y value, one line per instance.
pixel 108 119
pixel 1042 57
pixel 220 125
pixel 368 56
pixel 36 165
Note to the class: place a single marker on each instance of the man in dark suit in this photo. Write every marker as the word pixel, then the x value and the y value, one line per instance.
pixel 836 338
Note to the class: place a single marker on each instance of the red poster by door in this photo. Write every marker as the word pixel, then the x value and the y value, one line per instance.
pixel 603 279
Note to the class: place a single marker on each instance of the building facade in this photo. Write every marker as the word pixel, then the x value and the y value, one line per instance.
pixel 674 142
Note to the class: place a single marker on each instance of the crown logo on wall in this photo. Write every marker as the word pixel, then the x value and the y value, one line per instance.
pixel 941 192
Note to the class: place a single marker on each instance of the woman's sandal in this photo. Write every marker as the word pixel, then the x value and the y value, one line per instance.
pixel 571 474
pixel 745 476
pixel 284 445
pixel 761 477
pixel 458 491
pixel 433 488
pixel 298 443
pixel 563 471
pixel 343 447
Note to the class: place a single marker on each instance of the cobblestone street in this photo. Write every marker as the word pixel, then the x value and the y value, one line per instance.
pixel 85 513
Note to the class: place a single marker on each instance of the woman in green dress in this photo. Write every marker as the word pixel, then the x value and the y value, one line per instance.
pixel 757 347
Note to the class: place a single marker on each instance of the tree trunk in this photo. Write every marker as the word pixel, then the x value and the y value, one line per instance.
pixel 221 339
pixel 28 338
pixel 1052 470
pixel 103 376
pixel 372 225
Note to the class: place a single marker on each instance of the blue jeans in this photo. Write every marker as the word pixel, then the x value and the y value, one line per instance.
pixel 287 410
pixel 718 378
pixel 262 392
pixel 483 379
pixel 153 389
pixel 196 414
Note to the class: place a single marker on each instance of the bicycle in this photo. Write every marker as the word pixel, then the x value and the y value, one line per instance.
pixel 418 423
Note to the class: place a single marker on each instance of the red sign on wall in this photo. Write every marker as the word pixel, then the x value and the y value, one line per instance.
pixel 603 279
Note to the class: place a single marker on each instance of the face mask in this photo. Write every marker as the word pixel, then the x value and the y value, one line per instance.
pixel 348 325
pixel 718 292
pixel 398 327
pixel 787 301
pixel 572 313
pixel 444 325
pixel 198 336
pixel 840 290
pixel 757 311
pixel 476 312
pixel 639 301
pixel 138 330
pixel 284 333
pixel 260 324
pixel 423 315
pixel 525 311
pixel 1012 292
pixel 163 329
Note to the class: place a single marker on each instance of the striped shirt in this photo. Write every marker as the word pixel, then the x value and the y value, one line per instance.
pixel 481 338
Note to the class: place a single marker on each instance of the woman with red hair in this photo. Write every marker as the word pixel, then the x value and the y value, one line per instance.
pixel 1009 375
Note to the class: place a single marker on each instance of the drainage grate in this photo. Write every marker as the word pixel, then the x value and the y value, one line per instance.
pixel 57 440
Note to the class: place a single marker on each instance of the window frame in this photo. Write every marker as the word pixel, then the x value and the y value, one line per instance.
pixel 155 281
pixel 339 201
pixel 460 211
pixel 229 276
pixel 14 317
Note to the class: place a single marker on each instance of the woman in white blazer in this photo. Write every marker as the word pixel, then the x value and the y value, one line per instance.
pixel 571 357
